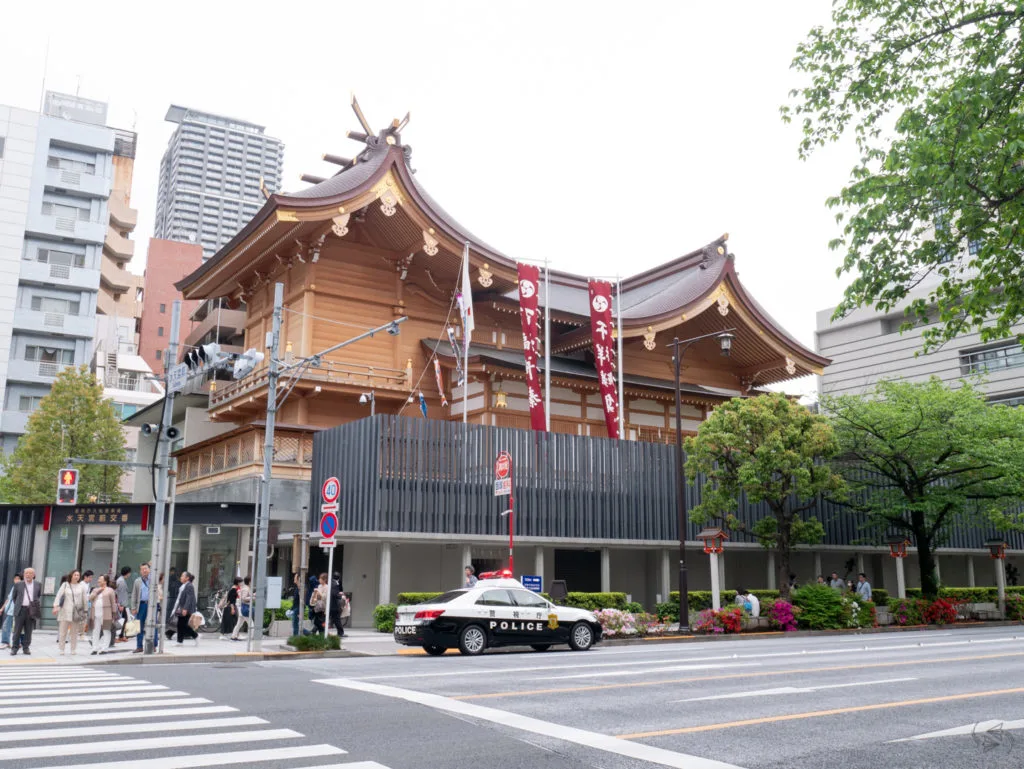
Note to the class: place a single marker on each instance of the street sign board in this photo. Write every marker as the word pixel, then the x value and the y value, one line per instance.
pixel 331 489
pixel 328 525
pixel 177 376
pixel 503 475
pixel 329 507
pixel 327 542
pixel 532 582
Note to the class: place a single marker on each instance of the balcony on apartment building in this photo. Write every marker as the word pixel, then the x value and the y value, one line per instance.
pixel 213 323
pixel 14 422
pixel 82 182
pixel 42 321
pixel 59 274
pixel 65 222
pixel 116 278
pixel 117 246
pixel 121 305
pixel 34 371
pixel 121 214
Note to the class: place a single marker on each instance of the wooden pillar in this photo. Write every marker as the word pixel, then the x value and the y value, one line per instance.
pixel 306 340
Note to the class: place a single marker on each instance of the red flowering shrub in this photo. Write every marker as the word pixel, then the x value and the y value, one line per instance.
pixel 941 612
pixel 721 621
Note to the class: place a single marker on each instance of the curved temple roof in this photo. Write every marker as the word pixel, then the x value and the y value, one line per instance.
pixel 656 299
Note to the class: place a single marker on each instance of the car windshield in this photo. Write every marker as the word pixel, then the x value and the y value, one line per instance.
pixel 445 597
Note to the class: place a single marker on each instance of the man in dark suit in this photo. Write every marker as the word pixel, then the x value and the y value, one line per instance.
pixel 27 610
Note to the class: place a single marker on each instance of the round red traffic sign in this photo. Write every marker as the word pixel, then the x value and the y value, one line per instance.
pixel 328 525
pixel 503 465
pixel 331 489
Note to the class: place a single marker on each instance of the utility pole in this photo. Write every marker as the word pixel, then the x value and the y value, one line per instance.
pixel 263 522
pixel 163 464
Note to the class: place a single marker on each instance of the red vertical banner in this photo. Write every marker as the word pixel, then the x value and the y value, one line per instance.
pixel 604 356
pixel 529 285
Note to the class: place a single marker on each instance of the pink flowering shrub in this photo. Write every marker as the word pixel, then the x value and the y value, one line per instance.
pixel 782 615
pixel 619 624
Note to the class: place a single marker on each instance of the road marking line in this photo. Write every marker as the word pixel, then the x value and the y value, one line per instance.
pixel 146 743
pixel 31 691
pixel 979 728
pixel 213 759
pixel 22 663
pixel 582 737
pixel 794 690
pixel 95 686
pixel 82 695
pixel 70 680
pixel 135 715
pixel 165 701
pixel 355 765
pixel 604 653
pixel 100 730
pixel 753 674
pixel 820 714
pixel 604 674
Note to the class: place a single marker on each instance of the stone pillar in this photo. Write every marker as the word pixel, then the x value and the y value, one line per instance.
pixel 817 566
pixel 384 581
pixel 970 571
pixel 538 564
pixel 721 571
pixel 244 551
pixel 771 570
pixel 606 570
pixel 860 564
pixel 901 582
pixel 467 560
pixel 1000 565
pixel 665 575
pixel 195 550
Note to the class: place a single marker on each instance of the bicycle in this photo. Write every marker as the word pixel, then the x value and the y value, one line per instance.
pixel 214 613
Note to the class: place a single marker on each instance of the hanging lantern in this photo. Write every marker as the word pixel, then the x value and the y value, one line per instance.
pixel 996 547
pixel 897 545
pixel 500 397
pixel 713 540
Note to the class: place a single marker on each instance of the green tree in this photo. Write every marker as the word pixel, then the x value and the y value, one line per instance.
pixel 768 448
pixel 933 93
pixel 934 458
pixel 72 421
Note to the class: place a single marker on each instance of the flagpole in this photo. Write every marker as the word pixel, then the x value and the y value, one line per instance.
pixel 465 346
pixel 622 403
pixel 547 345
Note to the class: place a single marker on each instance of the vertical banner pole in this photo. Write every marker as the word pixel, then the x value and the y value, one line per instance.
pixel 547 345
pixel 618 361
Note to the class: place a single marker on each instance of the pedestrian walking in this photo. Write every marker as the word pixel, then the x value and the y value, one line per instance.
pixel 229 609
pixel 140 605
pixel 295 593
pixel 104 613
pixel 339 605
pixel 121 589
pixel 71 608
pixel 187 605
pixel 471 579
pixel 836 583
pixel 27 611
pixel 87 577
pixel 319 604
pixel 244 607
pixel 8 612
pixel 863 587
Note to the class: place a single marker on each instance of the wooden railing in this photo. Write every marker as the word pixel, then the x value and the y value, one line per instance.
pixel 294 449
pixel 329 372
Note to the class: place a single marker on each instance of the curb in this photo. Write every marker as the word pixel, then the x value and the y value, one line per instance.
pixel 241 657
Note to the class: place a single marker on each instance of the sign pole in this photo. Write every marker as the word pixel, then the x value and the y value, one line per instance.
pixel 330 580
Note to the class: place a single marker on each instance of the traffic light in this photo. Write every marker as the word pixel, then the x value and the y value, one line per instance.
pixel 199 358
pixel 67 486
pixel 247 362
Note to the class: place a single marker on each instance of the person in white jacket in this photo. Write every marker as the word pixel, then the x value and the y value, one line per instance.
pixel 749 602
pixel 70 607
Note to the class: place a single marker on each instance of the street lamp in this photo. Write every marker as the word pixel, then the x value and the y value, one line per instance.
pixel 370 398
pixel 714 543
pixel 725 339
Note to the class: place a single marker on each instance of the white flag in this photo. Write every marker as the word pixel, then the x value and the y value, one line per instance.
pixel 466 299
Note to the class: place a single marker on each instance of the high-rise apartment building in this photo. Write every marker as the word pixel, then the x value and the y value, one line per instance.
pixel 210 177
pixel 66 297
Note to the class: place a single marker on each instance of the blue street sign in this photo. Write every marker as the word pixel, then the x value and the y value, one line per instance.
pixel 532 582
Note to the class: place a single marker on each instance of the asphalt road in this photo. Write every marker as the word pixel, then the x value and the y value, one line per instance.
pixel 916 699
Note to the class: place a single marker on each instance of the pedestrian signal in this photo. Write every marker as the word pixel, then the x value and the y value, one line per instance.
pixel 67 486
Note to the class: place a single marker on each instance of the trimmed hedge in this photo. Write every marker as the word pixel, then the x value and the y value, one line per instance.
pixel 384 617
pixel 314 643
pixel 404 599
pixel 596 601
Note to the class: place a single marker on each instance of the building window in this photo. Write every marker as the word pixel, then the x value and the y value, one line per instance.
pixel 62 258
pixel 66 164
pixel 973 247
pixel 29 403
pixel 125 410
pixel 49 355
pixel 1009 355
pixel 160 331
pixel 159 354
pixel 163 308
pixel 48 304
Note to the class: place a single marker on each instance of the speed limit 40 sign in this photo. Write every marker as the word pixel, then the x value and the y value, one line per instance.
pixel 503 475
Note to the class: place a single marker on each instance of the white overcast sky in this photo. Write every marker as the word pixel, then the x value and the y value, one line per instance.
pixel 609 137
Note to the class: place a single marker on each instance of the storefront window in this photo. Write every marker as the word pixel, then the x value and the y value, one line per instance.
pixel 217 563
pixel 60 560
pixel 136 547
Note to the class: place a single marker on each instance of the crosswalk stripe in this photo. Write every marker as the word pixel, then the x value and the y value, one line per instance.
pixel 50 670
pixel 146 743
pixel 211 759
pixel 134 715
pixel 99 730
pixel 354 765
pixel 64 680
pixel 96 686
pixel 180 698
pixel 151 691
pixel 31 691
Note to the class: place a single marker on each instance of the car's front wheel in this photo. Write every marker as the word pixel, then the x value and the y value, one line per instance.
pixel 472 640
pixel 581 637
pixel 434 651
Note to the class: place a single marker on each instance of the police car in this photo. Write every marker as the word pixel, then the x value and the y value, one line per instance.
pixel 497 611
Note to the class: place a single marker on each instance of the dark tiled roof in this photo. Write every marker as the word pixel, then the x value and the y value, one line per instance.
pixel 347 180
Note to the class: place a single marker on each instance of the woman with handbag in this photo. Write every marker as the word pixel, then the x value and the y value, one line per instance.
pixel 319 605
pixel 70 607
pixel 230 609
pixel 187 605
pixel 8 612
pixel 104 609
pixel 244 605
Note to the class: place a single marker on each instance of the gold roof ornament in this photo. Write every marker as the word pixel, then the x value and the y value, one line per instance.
pixel 649 343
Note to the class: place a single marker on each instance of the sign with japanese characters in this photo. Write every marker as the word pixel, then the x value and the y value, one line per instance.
pixel 601 331
pixel 503 475
pixel 529 284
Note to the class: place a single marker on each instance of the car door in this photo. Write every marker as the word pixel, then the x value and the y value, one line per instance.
pixel 498 609
pixel 540 618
